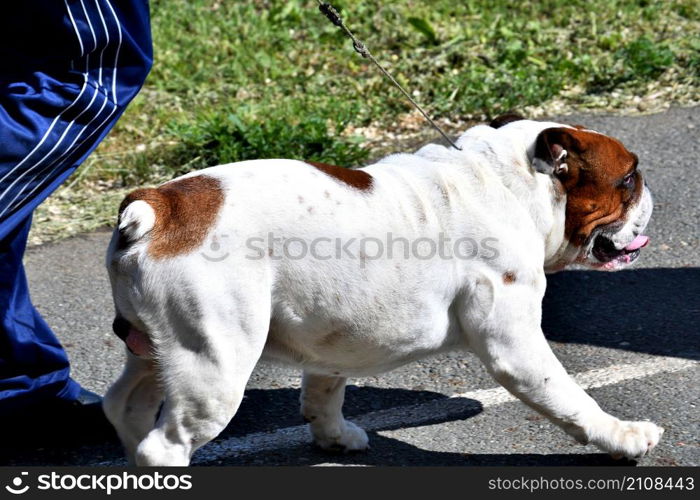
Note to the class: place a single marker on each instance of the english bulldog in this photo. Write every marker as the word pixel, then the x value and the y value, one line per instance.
pixel 353 272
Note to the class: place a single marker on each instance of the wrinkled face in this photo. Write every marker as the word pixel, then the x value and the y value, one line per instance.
pixel 607 202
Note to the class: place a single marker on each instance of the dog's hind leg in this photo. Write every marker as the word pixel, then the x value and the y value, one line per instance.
pixel 132 402
pixel 322 406
pixel 204 375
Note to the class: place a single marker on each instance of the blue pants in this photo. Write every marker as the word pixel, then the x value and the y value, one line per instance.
pixel 68 69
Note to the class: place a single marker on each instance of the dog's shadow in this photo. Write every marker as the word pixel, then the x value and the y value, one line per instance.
pixel 654 311
pixel 269 410
pixel 266 410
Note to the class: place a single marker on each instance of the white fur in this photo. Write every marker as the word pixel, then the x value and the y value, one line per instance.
pixel 211 314
pixel 137 219
pixel 636 222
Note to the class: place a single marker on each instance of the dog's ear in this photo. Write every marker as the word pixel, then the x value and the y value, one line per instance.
pixel 505 119
pixel 555 150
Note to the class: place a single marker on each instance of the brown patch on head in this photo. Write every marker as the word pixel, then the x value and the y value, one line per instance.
pixel 595 178
pixel 185 211
pixel 505 119
pixel 509 277
pixel 358 179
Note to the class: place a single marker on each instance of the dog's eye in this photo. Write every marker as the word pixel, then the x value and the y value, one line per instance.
pixel 628 180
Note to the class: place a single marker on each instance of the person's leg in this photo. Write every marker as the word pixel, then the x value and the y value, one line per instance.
pixel 33 366
pixel 57 102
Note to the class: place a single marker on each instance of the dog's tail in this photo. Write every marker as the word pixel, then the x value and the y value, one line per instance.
pixel 139 213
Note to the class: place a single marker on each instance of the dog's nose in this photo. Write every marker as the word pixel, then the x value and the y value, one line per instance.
pixel 121 327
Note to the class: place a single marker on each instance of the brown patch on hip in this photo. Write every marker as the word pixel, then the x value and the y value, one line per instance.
pixel 185 211
pixel 358 179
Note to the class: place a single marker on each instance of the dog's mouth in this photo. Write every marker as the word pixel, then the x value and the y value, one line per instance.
pixel 606 253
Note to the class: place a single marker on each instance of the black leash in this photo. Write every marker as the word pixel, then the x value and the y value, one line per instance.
pixel 329 11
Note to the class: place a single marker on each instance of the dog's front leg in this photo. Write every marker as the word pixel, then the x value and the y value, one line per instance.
pixel 322 406
pixel 509 340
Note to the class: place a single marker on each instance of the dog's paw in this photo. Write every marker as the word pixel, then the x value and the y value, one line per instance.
pixel 631 440
pixel 347 437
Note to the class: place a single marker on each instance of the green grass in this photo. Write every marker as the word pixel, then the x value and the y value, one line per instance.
pixel 269 78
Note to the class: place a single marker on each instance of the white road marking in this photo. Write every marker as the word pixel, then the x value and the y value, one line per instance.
pixel 423 413
pixel 599 377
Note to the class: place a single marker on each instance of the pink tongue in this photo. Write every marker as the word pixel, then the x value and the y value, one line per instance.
pixel 639 242
pixel 138 342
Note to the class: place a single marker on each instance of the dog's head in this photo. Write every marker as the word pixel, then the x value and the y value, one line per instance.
pixel 608 204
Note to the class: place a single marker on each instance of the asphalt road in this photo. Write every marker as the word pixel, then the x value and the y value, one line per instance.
pixel 631 337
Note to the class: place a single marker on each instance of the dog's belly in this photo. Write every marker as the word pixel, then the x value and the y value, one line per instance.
pixel 342 354
pixel 334 342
